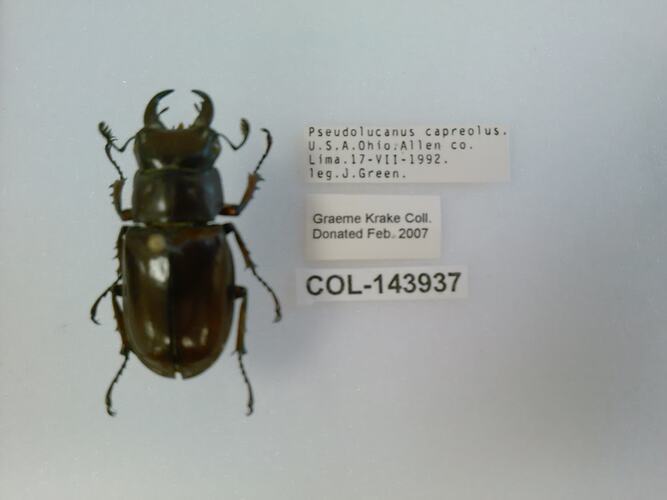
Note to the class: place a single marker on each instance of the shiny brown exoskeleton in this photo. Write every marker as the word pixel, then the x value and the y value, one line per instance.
pixel 176 272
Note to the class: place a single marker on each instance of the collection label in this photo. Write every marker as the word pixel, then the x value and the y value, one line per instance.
pixel 382 283
pixel 363 154
pixel 344 227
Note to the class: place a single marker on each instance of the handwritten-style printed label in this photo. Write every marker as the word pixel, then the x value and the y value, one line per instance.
pixel 383 283
pixel 363 154
pixel 343 227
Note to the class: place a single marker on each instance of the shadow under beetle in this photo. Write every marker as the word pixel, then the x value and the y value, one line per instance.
pixel 175 268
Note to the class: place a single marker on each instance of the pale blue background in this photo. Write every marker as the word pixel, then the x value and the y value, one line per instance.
pixel 549 382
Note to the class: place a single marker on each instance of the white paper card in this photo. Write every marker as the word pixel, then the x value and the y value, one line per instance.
pixel 381 283
pixel 425 154
pixel 343 227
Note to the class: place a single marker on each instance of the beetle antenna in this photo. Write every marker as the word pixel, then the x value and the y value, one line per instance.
pixel 269 142
pixel 107 399
pixel 107 150
pixel 245 130
pixel 106 132
pixel 251 399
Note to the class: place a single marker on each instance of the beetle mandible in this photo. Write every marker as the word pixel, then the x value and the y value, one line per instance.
pixel 175 269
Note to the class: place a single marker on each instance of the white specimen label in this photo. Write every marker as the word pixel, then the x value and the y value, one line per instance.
pixel 381 283
pixel 363 154
pixel 344 227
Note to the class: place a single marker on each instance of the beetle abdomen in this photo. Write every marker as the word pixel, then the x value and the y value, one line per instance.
pixel 176 195
pixel 178 296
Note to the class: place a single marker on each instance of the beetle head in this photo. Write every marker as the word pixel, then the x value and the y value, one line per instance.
pixel 193 147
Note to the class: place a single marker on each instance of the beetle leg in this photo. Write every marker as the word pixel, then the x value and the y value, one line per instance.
pixel 93 309
pixel 115 287
pixel 234 210
pixel 118 314
pixel 242 293
pixel 251 187
pixel 229 228
pixel 107 398
pixel 116 195
pixel 124 350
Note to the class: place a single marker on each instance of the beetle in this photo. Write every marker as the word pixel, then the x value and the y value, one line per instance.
pixel 175 273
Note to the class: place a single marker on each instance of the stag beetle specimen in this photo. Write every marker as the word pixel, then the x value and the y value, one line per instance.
pixel 175 269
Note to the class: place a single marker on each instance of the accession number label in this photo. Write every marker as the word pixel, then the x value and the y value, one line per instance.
pixel 384 283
